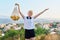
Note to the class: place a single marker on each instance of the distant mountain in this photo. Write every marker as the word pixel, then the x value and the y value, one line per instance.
pixel 8 20
pixel 4 17
pixel 47 20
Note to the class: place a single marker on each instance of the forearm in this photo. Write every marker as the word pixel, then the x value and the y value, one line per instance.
pixel 40 13
pixel 20 12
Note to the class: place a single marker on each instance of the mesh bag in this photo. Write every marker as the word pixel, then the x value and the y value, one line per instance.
pixel 15 15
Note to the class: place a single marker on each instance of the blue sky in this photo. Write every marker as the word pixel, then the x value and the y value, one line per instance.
pixel 7 6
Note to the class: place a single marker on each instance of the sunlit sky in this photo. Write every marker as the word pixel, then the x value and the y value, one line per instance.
pixel 7 6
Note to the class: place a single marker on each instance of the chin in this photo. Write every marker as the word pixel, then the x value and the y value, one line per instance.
pixel 29 16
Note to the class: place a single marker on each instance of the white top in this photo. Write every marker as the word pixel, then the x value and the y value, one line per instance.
pixel 29 23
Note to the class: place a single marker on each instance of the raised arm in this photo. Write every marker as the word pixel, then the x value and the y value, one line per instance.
pixel 40 13
pixel 19 10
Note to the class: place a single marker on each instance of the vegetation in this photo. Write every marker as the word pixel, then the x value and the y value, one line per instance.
pixel 12 33
pixel 41 31
pixel 41 34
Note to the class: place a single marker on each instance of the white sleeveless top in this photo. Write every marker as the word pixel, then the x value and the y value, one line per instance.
pixel 29 23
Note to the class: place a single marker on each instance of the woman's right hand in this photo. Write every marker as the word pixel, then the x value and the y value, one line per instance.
pixel 17 4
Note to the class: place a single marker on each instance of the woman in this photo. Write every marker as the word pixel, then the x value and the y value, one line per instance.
pixel 29 23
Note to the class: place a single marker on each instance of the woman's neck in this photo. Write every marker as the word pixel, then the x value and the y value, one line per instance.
pixel 29 16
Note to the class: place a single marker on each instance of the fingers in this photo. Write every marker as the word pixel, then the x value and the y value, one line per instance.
pixel 17 4
pixel 47 9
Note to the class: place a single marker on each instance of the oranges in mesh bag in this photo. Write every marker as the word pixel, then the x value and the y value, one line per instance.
pixel 15 18
pixel 15 14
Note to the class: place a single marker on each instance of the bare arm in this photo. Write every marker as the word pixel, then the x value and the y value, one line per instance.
pixel 40 13
pixel 20 11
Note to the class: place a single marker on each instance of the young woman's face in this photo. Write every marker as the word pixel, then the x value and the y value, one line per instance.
pixel 30 13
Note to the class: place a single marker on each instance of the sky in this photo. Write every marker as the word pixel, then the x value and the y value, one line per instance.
pixel 7 6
